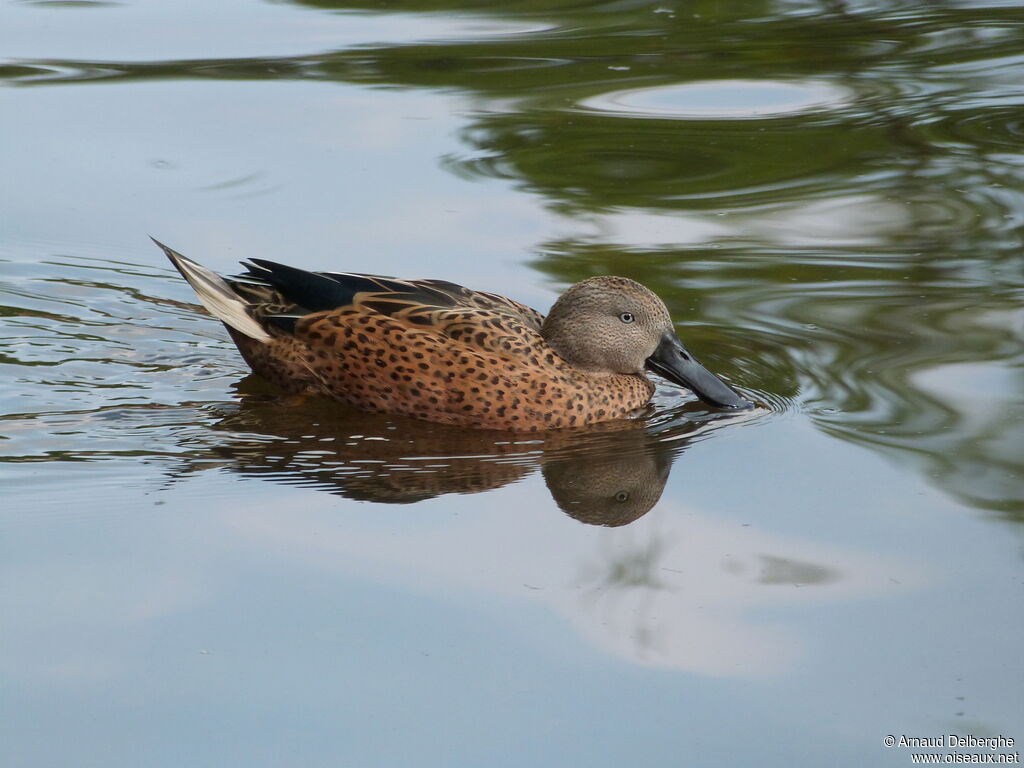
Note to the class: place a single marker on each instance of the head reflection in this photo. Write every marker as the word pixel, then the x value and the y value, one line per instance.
pixel 613 484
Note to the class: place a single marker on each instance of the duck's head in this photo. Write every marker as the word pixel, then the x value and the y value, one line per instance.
pixel 615 325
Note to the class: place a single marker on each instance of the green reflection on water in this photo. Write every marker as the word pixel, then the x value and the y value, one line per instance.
pixel 859 255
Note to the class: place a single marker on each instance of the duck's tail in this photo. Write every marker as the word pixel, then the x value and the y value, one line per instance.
pixel 216 295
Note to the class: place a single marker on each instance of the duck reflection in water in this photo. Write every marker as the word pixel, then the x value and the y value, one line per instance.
pixel 610 474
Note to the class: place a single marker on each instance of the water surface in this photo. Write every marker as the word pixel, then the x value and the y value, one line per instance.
pixel 199 570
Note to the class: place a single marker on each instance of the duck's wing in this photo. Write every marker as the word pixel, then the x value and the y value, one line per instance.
pixel 285 292
pixel 487 322
pixel 416 299
pixel 271 299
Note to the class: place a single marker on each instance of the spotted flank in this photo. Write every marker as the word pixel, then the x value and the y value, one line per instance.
pixel 438 351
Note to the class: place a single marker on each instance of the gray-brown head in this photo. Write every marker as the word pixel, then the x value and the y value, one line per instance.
pixel 609 325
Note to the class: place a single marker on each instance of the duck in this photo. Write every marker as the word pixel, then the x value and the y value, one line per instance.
pixel 438 351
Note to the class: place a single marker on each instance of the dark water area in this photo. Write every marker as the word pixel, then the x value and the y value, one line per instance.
pixel 829 196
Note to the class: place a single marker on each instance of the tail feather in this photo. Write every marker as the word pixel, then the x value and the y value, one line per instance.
pixel 216 295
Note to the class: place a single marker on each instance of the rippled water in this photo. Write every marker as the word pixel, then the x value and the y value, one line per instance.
pixel 829 197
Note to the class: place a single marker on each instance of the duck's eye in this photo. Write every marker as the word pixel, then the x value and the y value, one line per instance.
pixel 622 496
pixel 627 317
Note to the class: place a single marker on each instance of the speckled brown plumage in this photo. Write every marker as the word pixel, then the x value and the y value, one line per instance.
pixel 480 368
pixel 438 351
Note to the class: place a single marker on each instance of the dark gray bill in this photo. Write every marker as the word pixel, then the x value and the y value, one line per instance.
pixel 672 361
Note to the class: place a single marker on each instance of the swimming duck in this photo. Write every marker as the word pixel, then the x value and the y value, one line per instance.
pixel 438 351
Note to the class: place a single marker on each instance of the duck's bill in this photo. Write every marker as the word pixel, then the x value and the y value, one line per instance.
pixel 672 361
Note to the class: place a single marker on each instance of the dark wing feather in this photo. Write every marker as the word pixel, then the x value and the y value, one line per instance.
pixel 312 291
pixel 285 290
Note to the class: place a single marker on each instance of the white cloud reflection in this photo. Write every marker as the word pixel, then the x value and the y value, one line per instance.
pixel 676 589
